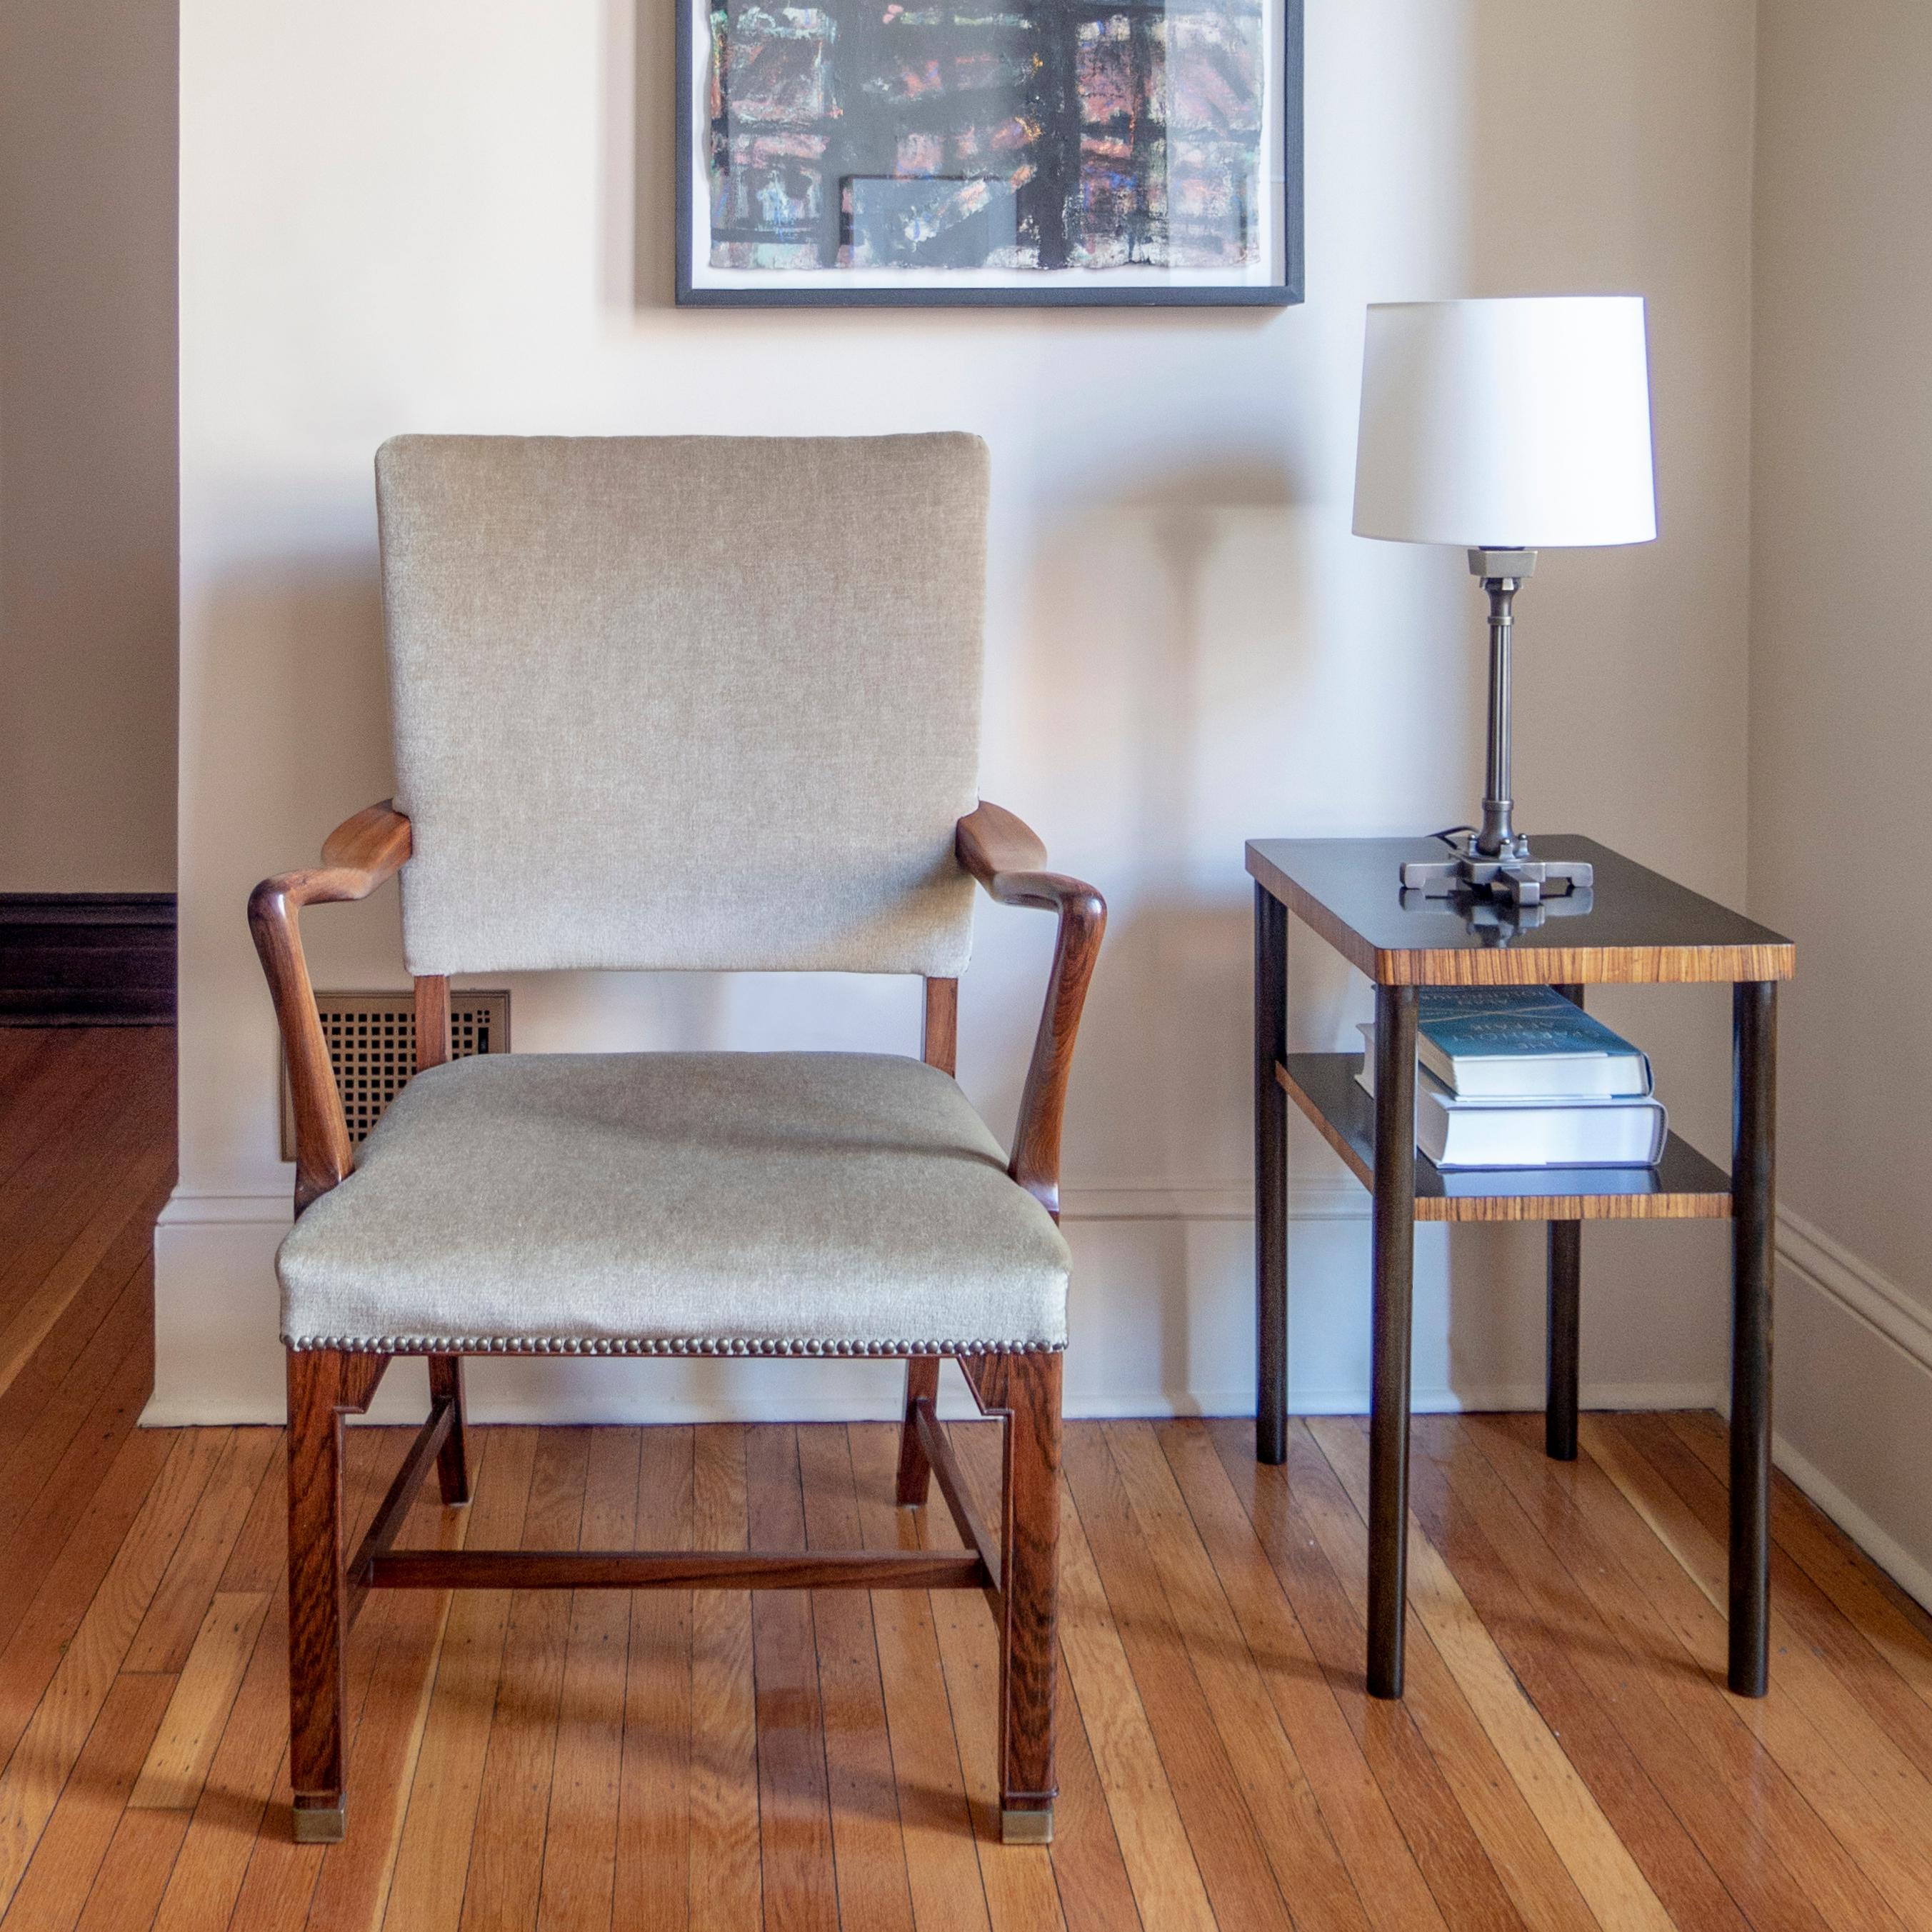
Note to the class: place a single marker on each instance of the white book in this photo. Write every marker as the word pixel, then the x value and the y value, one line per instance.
pixel 1456 1132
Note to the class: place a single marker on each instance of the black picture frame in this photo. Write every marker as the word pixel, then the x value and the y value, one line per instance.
pixel 1082 294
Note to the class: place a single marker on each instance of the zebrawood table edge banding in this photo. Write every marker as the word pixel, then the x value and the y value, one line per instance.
pixel 1772 957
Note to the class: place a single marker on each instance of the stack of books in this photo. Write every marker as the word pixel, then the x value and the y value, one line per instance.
pixel 1520 1077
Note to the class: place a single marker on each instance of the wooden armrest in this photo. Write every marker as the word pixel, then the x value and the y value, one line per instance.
pixel 1007 857
pixel 356 857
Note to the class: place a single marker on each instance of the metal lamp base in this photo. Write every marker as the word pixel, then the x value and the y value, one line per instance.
pixel 1494 863
pixel 1513 875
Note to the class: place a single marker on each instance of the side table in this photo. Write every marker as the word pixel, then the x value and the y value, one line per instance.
pixel 1635 926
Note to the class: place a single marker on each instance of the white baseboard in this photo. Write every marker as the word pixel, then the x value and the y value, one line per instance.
pixel 1876 1300
pixel 1906 1570
pixel 1854 1399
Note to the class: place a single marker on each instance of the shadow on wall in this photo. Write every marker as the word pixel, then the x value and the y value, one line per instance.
pixel 652 158
pixel 268 628
pixel 297 697
pixel 1168 638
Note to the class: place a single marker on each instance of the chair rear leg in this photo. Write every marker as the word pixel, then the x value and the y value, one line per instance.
pixel 922 1385
pixel 318 1600
pixel 452 1462
pixel 1028 1386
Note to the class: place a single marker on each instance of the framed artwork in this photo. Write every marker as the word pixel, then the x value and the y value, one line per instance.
pixel 1008 152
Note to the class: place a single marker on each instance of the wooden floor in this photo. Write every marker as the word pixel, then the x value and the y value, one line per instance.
pixel 1567 1756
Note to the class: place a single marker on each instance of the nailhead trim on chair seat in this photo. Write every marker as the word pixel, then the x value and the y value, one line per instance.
pixel 550 1345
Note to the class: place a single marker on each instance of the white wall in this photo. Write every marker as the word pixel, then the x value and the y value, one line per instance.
pixel 1841 708
pixel 87 452
pixel 455 217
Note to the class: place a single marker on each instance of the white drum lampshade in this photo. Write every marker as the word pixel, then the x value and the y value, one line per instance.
pixel 1522 423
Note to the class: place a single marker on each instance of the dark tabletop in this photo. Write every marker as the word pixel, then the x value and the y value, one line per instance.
pixel 1639 925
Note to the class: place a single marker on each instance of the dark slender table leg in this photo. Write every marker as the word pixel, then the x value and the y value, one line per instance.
pixel 1566 1268
pixel 1754 1030
pixel 1271 1179
pixel 1564 1342
pixel 1394 1269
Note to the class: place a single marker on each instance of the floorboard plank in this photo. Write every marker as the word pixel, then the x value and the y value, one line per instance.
pixel 62 1870
pixel 1229 1851
pixel 936 1820
pixel 1391 1884
pixel 64 1544
pixel 259 1560
pixel 176 1766
pixel 1807 1613
pixel 133 1875
pixel 1835 1753
pixel 506 1858
pixel 651 1886
pixel 1623 1737
pixel 54 1736
pixel 405 1631
pixel 1865 1599
pixel 1090 1874
pixel 580 1846
pixel 42 1409
pixel 1305 1494
pixel 426 1887
pixel 1475 1840
pixel 1018 1881
pixel 1594 1535
pixel 794 1804
pixel 724 1878
pixel 244 1803
pixel 868 1846
pixel 60 1215
pixel 124 1208
pixel 1607 1873
pixel 279 1884
pixel 1280 1799
pixel 175 1618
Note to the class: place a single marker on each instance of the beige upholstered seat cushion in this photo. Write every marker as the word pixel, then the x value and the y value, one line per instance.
pixel 684 701
pixel 730 1204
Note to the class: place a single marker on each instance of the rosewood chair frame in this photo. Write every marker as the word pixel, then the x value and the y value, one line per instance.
pixel 1014 1563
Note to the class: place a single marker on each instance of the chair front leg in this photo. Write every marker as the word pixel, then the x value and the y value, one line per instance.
pixel 323 1383
pixel 1027 1387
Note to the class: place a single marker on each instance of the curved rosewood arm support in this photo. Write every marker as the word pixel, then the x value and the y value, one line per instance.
pixel 1009 861
pixel 357 856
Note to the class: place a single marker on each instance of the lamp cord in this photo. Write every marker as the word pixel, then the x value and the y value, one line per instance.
pixel 1449 833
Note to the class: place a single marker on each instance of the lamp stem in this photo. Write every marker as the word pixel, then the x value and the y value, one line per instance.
pixel 1502 572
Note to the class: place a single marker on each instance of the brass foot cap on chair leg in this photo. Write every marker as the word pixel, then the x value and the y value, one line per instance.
pixel 320 1824
pixel 1026 1828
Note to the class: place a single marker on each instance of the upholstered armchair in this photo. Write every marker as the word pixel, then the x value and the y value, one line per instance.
pixel 697 703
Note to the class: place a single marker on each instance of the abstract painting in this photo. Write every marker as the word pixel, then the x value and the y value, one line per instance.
pixel 989 151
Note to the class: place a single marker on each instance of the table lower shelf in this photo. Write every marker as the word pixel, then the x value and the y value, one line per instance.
pixel 1683 1186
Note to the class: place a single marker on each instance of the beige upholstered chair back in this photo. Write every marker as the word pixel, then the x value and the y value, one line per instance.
pixel 684 701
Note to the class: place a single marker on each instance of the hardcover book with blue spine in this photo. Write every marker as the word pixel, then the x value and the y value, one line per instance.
pixel 1520 1041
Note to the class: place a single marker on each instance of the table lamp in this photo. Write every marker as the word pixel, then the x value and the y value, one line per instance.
pixel 1505 427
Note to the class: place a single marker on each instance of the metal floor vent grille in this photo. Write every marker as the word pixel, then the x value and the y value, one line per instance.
pixel 372 1046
